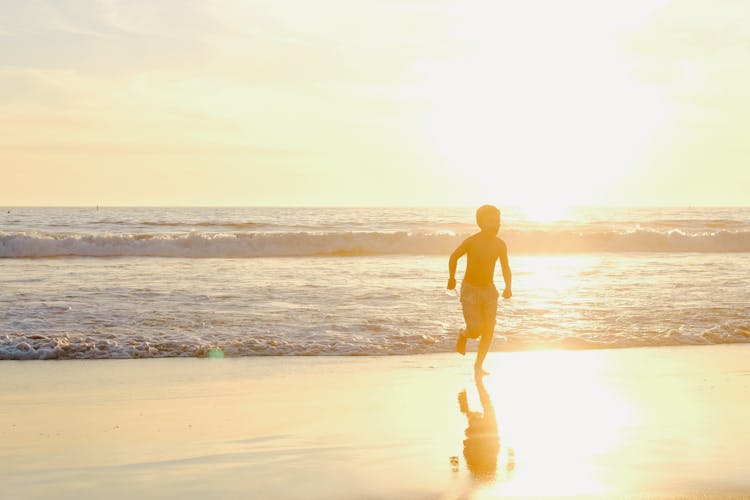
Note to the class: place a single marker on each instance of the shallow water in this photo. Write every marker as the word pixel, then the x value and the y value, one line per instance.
pixel 388 299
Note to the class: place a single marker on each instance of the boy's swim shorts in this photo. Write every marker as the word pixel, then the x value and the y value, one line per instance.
pixel 479 304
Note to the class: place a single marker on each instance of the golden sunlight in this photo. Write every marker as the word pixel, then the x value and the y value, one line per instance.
pixel 595 419
pixel 546 211
pixel 534 135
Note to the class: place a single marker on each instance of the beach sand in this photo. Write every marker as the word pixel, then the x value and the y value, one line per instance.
pixel 650 422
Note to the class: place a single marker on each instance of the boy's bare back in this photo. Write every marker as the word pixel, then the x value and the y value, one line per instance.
pixel 482 252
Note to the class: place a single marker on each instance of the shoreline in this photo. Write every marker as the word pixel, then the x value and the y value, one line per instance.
pixel 657 422
pixel 506 346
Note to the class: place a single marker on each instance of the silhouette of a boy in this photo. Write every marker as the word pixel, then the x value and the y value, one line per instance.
pixel 478 293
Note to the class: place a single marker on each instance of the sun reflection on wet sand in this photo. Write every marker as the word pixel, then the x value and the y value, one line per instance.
pixel 554 419
pixel 619 423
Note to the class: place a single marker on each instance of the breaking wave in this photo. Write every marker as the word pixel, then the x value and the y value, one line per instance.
pixel 84 346
pixel 198 244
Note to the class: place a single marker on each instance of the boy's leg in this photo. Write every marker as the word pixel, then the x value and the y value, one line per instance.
pixel 472 318
pixel 471 306
pixel 484 346
pixel 461 343
pixel 489 316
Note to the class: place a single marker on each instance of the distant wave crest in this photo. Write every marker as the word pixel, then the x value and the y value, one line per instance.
pixel 198 244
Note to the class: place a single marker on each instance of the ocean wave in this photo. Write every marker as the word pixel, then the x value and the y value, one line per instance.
pixel 233 245
pixel 196 224
pixel 257 244
pixel 637 240
pixel 81 346
pixel 716 223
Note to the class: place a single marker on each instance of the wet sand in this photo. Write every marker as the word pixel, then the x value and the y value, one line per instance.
pixel 652 422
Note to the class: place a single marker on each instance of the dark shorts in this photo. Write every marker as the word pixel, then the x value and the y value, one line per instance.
pixel 479 304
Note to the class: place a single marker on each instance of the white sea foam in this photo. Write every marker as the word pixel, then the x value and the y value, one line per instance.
pixel 233 245
pixel 198 244
pixel 81 346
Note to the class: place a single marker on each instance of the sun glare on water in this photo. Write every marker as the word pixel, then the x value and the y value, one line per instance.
pixel 546 212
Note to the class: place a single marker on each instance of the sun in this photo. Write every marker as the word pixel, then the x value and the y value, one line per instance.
pixel 533 125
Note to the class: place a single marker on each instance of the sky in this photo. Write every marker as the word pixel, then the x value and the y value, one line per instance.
pixel 403 102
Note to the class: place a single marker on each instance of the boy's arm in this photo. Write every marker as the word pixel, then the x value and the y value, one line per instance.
pixel 453 262
pixel 507 275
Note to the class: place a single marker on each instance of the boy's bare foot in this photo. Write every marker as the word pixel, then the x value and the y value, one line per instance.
pixel 478 370
pixel 461 344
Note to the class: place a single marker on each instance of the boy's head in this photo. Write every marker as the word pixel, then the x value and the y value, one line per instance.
pixel 488 218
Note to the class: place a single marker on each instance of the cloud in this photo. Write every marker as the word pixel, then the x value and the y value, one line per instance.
pixel 267 74
pixel 339 85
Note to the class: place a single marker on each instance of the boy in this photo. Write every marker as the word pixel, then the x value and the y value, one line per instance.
pixel 478 292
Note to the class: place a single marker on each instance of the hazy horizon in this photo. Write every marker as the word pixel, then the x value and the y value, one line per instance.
pixel 466 206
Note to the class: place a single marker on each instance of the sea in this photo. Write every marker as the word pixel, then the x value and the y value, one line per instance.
pixel 109 282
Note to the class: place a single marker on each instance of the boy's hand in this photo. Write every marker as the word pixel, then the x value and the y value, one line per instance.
pixel 507 293
pixel 451 283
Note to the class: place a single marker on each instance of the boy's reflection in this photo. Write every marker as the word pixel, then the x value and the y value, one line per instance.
pixel 482 443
